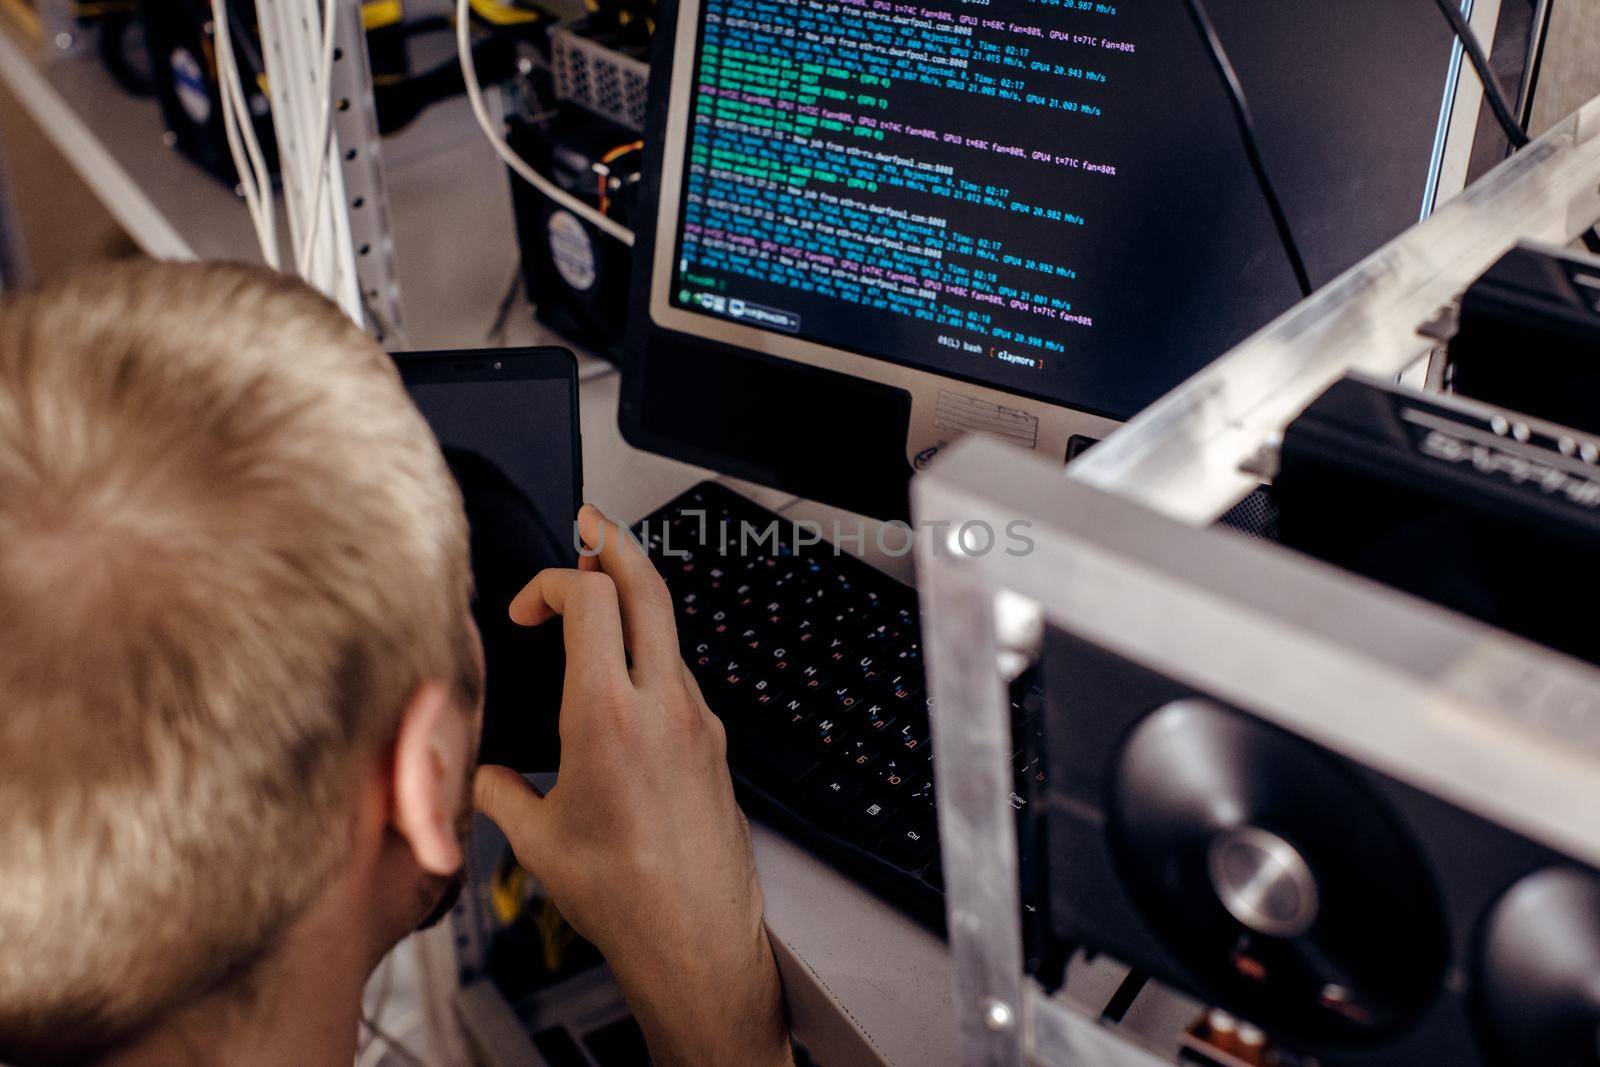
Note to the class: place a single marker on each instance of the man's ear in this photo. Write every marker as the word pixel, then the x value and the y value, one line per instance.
pixel 432 751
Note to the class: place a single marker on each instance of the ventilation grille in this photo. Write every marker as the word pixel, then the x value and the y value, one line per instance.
pixel 610 83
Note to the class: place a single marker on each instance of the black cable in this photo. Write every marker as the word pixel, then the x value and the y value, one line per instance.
pixel 1133 984
pixel 1492 89
pixel 502 314
pixel 1495 94
pixel 1247 131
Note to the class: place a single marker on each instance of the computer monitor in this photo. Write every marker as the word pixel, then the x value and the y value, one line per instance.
pixel 881 224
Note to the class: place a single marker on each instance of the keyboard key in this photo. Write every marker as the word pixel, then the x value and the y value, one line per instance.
pixel 847 617
pixel 881 635
pixel 895 775
pixel 787 581
pixel 844 697
pixel 812 679
pixel 732 674
pixel 830 734
pixel 835 790
pixel 911 737
pixel 774 761
pixel 764 568
pixel 796 712
pixel 861 753
pixel 877 718
pixel 922 798
pixel 907 841
pixel 905 692
pixel 868 817
pixel 837 650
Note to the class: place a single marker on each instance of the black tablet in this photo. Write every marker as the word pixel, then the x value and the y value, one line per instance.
pixel 507 420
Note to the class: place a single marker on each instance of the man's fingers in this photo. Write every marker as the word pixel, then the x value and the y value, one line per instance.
pixel 515 807
pixel 587 559
pixel 587 602
pixel 531 605
pixel 652 633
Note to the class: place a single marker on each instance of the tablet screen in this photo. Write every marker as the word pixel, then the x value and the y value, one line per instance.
pixel 507 423
pixel 513 437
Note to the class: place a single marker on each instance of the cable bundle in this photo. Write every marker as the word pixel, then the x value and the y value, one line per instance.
pixel 255 180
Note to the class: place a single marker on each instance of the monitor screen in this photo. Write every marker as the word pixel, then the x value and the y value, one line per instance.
pixel 1045 196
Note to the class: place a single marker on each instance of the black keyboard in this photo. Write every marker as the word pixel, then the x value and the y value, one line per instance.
pixel 813 661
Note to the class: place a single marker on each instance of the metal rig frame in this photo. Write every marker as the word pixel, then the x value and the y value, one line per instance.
pixel 354 245
pixel 1494 724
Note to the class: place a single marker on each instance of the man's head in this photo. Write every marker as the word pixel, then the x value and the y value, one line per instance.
pixel 234 609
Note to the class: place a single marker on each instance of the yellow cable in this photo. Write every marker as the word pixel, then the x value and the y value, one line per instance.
pixel 499 13
pixel 94 10
pixel 506 891
pixel 377 14
pixel 26 17
pixel 557 936
pixel 605 176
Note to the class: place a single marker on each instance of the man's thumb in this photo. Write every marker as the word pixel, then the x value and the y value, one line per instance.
pixel 515 806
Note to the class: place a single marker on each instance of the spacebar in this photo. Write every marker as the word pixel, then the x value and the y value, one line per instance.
pixel 771 763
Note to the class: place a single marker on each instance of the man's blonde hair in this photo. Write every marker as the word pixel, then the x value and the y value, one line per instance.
pixel 229 552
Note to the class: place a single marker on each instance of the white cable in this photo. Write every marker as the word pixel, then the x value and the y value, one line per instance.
pixel 475 96
pixel 240 126
pixel 241 166
pixel 241 163
pixel 257 174
pixel 324 141
pixel 257 189
pixel 246 122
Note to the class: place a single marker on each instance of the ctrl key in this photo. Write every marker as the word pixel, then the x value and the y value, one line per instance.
pixel 908 840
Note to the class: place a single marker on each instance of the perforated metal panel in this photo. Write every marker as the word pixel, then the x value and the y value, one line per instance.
pixel 1256 515
pixel 609 83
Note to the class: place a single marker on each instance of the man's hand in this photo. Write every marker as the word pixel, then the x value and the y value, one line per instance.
pixel 640 842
